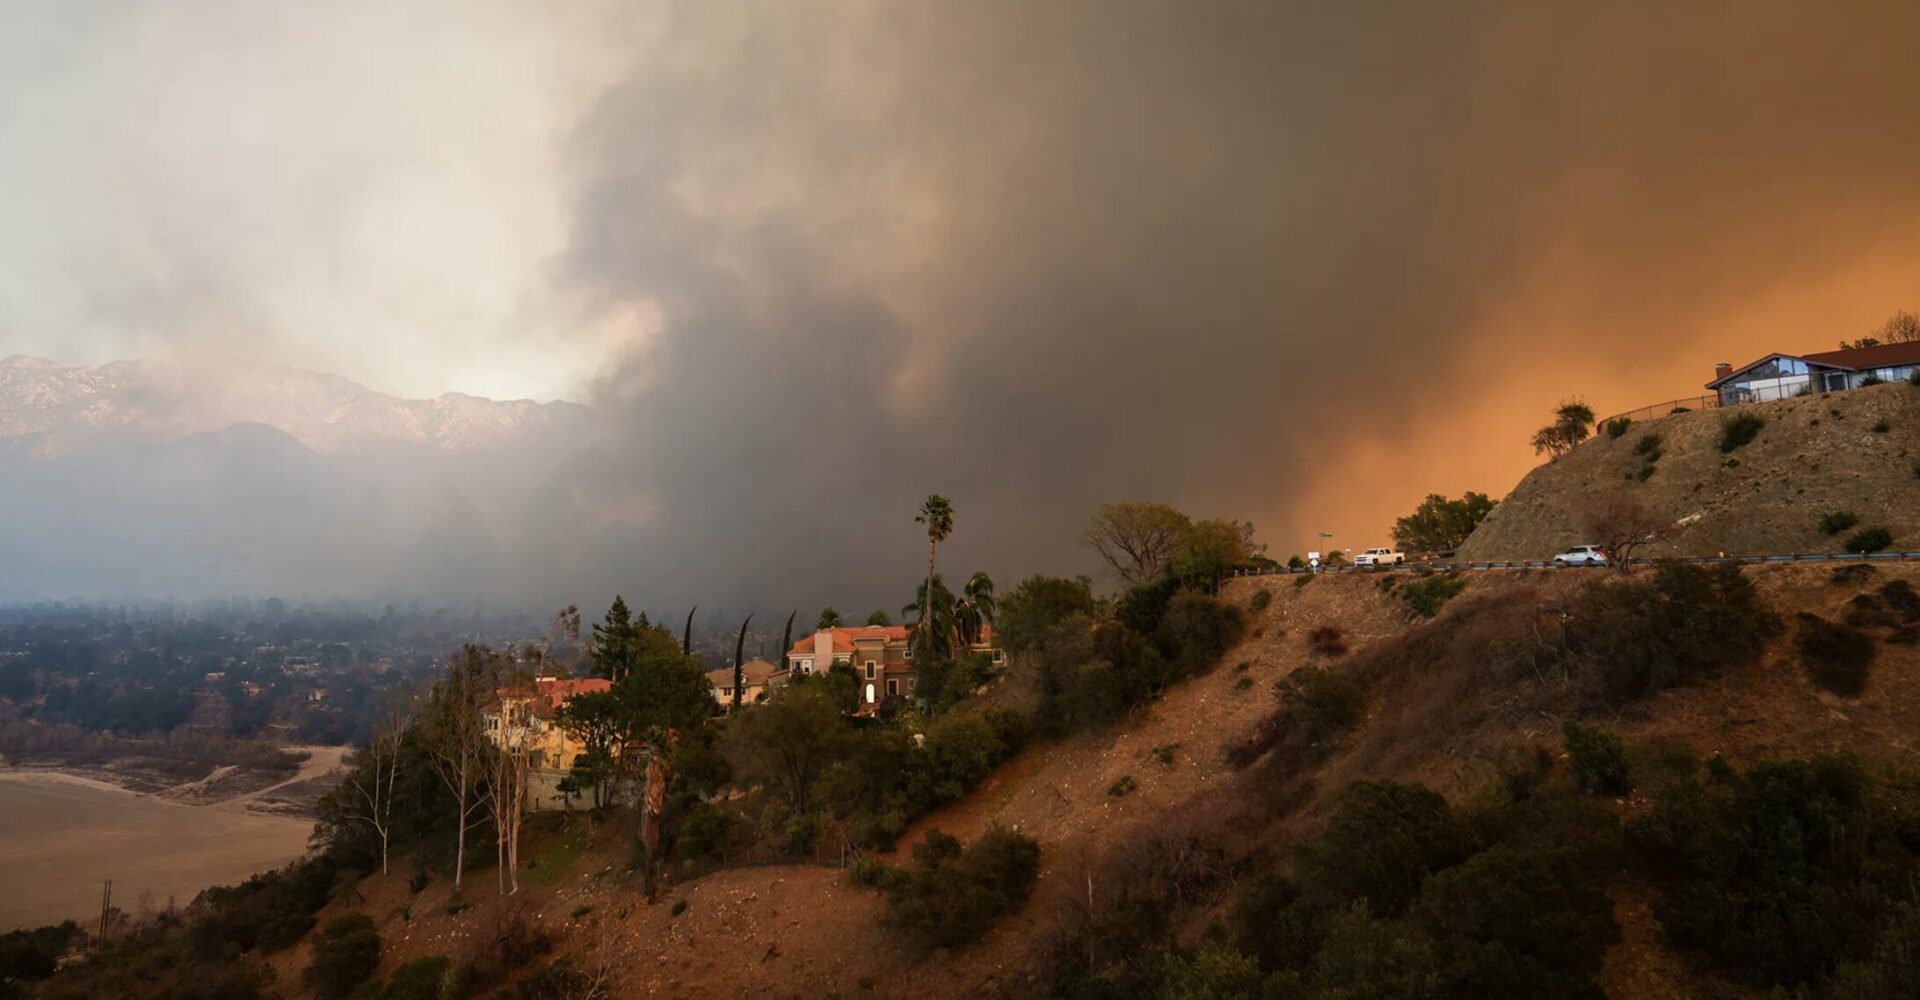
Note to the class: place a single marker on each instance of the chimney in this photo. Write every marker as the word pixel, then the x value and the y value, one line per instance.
pixel 822 650
pixel 1722 370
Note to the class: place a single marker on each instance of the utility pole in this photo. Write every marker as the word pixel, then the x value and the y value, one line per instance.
pixel 106 906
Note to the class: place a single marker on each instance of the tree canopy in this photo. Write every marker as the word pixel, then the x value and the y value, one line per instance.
pixel 1139 540
pixel 1440 524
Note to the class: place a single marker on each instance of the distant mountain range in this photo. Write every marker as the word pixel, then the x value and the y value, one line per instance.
pixel 147 480
pixel 59 407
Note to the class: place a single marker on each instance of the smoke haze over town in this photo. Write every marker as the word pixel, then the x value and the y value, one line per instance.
pixel 1298 264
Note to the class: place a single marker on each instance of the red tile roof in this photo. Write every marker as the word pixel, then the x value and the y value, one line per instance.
pixel 844 638
pixel 549 693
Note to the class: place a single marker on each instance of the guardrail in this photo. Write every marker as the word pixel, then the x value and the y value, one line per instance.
pixel 1454 567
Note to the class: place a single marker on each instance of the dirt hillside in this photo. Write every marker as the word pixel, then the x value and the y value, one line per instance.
pixel 1816 455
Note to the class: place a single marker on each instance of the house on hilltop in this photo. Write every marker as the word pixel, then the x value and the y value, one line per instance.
pixel 879 656
pixel 1780 376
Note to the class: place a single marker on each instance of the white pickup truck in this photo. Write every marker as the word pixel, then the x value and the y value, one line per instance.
pixel 1376 558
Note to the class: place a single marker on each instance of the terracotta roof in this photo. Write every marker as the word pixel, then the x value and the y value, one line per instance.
pixel 844 637
pixel 752 672
pixel 548 693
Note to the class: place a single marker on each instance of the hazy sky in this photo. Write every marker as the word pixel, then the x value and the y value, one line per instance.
pixel 1295 262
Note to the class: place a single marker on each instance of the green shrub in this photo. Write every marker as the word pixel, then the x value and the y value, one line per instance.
pixel 1596 759
pixel 954 897
pixel 1164 752
pixel 1852 574
pixel 1648 447
pixel 1772 872
pixel 1322 705
pixel 1837 521
pixel 1837 657
pixel 1382 841
pixel 1645 473
pixel 1900 596
pixel 1869 611
pixel 1882 427
pixel 345 954
pixel 1197 631
pixel 703 832
pixel 1869 540
pixel 1142 607
pixel 1122 785
pixel 33 954
pixel 1872 378
pixel 422 979
pixel 1327 640
pixel 1242 683
pixel 269 911
pixel 1631 638
pixel 1740 429
pixel 1034 608
pixel 1617 426
pixel 1261 598
pixel 1520 922
pixel 1425 597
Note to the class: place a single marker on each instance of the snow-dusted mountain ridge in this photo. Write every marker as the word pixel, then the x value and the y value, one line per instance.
pixel 63 406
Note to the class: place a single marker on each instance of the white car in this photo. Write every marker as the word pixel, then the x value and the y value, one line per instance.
pixel 1582 555
pixel 1380 557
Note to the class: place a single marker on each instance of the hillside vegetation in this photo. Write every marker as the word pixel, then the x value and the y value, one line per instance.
pixel 1851 452
pixel 1342 709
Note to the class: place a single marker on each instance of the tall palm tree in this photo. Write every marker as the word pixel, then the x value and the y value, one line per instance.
pixel 937 515
pixel 974 610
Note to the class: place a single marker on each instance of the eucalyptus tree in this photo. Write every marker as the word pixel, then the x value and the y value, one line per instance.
pixel 456 738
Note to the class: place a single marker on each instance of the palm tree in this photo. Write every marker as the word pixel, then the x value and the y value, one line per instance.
pixel 974 610
pixel 933 636
pixel 937 515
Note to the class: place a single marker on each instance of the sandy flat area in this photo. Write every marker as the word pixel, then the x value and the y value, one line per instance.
pixel 62 835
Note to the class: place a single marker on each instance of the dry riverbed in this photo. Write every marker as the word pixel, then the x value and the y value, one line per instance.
pixel 62 834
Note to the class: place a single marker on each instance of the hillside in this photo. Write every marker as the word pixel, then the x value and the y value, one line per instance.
pixel 1445 704
pixel 1816 455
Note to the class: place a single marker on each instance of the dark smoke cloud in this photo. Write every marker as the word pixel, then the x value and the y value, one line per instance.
pixel 1286 262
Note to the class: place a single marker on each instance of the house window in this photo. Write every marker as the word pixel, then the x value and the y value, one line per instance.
pixel 870 671
pixel 893 685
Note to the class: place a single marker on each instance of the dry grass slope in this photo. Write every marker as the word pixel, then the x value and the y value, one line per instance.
pixel 1816 455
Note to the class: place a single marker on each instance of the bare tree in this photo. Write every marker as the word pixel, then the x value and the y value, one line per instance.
pixel 457 741
pixel 373 784
pixel 507 770
pixel 1619 522
pixel 1138 540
